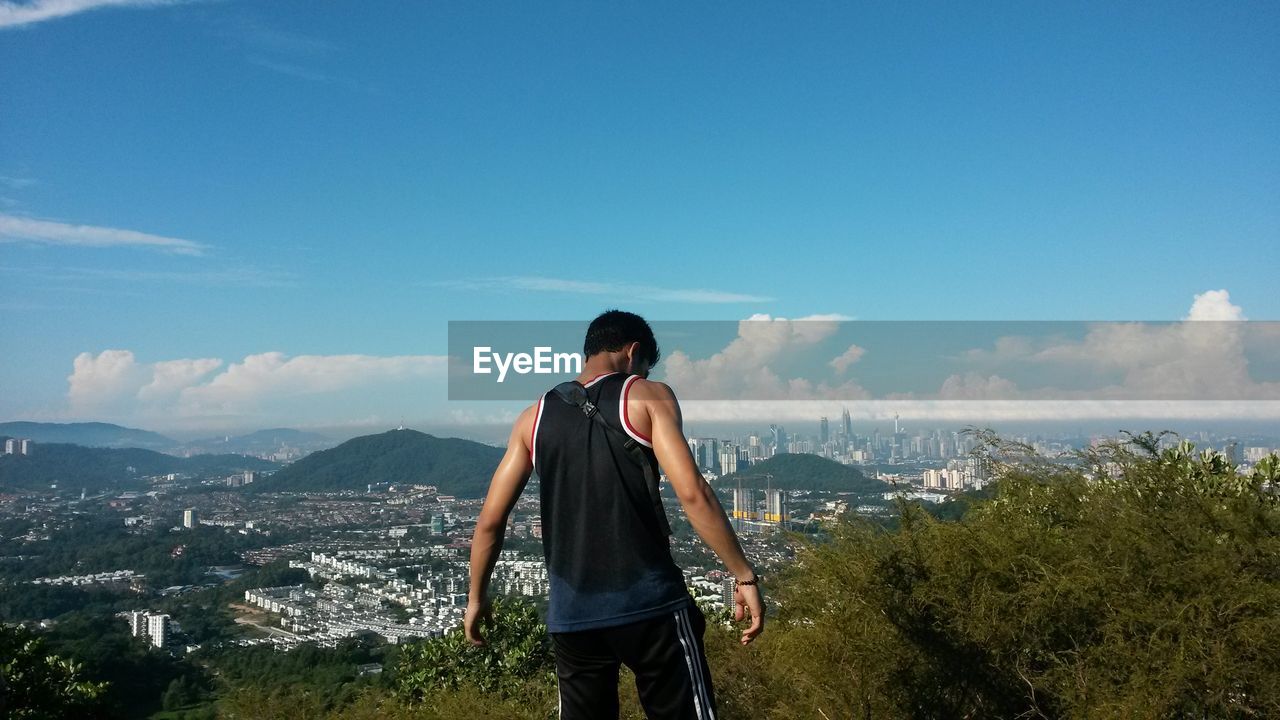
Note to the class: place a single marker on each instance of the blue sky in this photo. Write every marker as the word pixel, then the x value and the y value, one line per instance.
pixel 222 180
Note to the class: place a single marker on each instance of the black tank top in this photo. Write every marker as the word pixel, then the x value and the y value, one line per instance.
pixel 608 561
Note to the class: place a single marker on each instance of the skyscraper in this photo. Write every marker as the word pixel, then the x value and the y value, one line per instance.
pixel 775 506
pixel 711 449
pixel 190 518
pixel 744 508
pixel 727 587
pixel 1231 450
pixel 706 454
pixel 138 623
pixel 158 630
pixel 728 458
pixel 824 431
pixel 979 467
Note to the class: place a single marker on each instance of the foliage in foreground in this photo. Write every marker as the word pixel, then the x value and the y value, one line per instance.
pixel 36 684
pixel 511 678
pixel 264 682
pixel 517 654
pixel 1141 584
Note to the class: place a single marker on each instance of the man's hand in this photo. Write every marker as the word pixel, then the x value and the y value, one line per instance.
pixel 478 613
pixel 747 601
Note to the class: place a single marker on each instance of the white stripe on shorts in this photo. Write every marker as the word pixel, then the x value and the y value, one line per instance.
pixel 701 699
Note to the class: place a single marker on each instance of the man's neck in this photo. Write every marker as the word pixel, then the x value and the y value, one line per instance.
pixel 595 367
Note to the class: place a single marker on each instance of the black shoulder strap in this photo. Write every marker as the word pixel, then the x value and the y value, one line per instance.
pixel 573 393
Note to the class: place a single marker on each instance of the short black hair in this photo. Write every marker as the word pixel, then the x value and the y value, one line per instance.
pixel 613 330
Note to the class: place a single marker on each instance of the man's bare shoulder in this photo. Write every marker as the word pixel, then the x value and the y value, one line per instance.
pixel 527 414
pixel 522 428
pixel 652 390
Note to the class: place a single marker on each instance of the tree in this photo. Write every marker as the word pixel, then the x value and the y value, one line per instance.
pixel 36 684
pixel 182 691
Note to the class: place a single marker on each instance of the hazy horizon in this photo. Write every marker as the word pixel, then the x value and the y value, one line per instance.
pixel 495 434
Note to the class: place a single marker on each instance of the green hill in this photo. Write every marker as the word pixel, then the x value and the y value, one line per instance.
pixel 455 466
pixel 91 434
pixel 74 466
pixel 802 472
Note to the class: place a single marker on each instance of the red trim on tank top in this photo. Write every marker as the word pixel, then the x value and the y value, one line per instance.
pixel 533 436
pixel 626 389
pixel 593 380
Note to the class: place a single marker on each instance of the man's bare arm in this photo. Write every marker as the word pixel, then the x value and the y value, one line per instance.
pixel 508 482
pixel 699 500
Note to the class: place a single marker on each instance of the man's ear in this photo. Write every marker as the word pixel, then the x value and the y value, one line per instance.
pixel 632 349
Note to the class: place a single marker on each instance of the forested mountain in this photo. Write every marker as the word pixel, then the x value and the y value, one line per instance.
pixel 91 434
pixel 262 441
pixel 802 472
pixel 457 467
pixel 75 466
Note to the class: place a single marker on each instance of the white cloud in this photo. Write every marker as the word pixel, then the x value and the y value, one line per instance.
pixel 1162 364
pixel 262 387
pixel 243 385
pixel 13 14
pixel 974 386
pixel 1189 362
pixel 102 382
pixel 617 290
pixel 745 367
pixel 255 34
pixel 1202 358
pixel 213 277
pixel 977 411
pixel 14 228
pixel 1214 305
pixel 169 378
pixel 841 363
pixel 16 183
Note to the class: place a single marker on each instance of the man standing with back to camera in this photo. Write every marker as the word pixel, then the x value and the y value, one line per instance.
pixel 616 595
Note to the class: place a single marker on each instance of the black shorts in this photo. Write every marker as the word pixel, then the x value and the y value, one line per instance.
pixel 665 653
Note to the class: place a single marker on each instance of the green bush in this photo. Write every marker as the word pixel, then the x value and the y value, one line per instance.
pixel 1138 584
pixel 38 685
pixel 517 656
